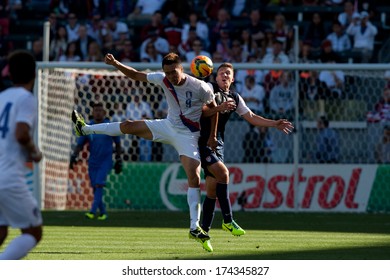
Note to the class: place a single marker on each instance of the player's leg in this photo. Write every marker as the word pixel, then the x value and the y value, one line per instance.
pixel 21 210
pixel 3 233
pixel 221 174
pixel 138 128
pixel 208 207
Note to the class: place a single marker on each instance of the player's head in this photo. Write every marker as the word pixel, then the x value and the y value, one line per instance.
pixel 322 122
pixel 173 68
pixel 21 67
pixel 225 75
pixel 98 112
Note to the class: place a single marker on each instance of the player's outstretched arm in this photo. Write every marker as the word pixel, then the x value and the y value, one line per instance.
pixel 281 124
pixel 127 70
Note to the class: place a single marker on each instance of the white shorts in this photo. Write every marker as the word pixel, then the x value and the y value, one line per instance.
pixel 185 142
pixel 18 208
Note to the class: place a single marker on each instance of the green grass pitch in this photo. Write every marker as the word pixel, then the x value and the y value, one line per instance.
pixel 156 235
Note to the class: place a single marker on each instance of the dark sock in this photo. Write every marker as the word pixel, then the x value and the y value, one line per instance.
pixel 224 202
pixel 97 199
pixel 208 213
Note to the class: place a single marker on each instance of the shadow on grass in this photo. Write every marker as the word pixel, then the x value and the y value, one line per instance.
pixel 325 222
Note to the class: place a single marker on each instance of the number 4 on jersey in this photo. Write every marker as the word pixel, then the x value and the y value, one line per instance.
pixel 4 127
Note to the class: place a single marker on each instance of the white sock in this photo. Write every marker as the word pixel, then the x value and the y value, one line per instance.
pixel 112 129
pixel 19 247
pixel 193 199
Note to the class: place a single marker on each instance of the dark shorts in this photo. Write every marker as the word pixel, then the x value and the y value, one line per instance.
pixel 209 157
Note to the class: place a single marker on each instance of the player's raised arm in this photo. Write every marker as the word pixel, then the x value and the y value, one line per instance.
pixel 127 70
pixel 281 124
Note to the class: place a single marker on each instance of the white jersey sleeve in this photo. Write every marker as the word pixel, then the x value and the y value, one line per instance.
pixel 242 108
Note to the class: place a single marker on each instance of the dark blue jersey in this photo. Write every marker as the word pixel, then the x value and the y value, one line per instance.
pixel 100 147
pixel 205 123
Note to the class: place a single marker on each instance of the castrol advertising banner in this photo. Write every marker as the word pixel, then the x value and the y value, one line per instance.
pixel 252 187
pixel 340 188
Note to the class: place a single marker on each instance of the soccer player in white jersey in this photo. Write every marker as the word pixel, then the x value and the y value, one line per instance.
pixel 185 96
pixel 18 116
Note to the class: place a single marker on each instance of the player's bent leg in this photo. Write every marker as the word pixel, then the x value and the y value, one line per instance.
pixel 219 171
pixel 138 128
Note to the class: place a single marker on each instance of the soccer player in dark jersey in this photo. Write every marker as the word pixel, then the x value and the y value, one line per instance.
pixel 216 173
pixel 100 161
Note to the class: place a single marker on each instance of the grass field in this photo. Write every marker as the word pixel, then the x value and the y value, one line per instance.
pixel 136 235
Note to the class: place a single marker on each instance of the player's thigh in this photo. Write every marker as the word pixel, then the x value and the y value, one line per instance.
pixel 219 171
pixel 138 128
pixel 18 208
pixel 192 168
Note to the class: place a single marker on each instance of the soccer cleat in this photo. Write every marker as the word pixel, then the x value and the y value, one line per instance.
pixel 233 228
pixel 199 235
pixel 90 215
pixel 78 122
pixel 102 217
pixel 207 246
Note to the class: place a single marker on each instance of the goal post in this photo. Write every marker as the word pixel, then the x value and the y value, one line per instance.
pixel 63 87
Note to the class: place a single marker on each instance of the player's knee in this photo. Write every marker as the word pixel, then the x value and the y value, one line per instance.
pixel 36 232
pixel 222 177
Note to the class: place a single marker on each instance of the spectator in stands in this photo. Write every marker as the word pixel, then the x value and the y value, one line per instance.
pixel 173 29
pixel 72 27
pixel 327 53
pixel 138 109
pixel 60 8
pixel 201 30
pixel 257 145
pixel 327 141
pixel 155 24
pixel 306 54
pixel 70 53
pixel 363 32
pixel 128 53
pixel 223 26
pixel 114 27
pixel 248 45
pixel 4 45
pixel 315 32
pixel 37 49
pixel 96 28
pixel 145 9
pixel 83 41
pixel 212 9
pixel 16 9
pixel 237 54
pixel 160 43
pixel 197 49
pixel 240 9
pixel 341 43
pixel 253 95
pixel 241 74
pixel 368 6
pixel 346 17
pixel 256 26
pixel 334 81
pixel 94 53
pixel 58 43
pixel 281 98
pixel 4 16
pixel 151 54
pixel 267 45
pixel 311 94
pixel 277 54
pixel 282 32
pixel 52 19
pixel 224 44
pixel 382 150
pixel 381 112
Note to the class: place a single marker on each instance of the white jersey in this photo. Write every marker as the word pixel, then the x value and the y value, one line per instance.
pixel 191 96
pixel 16 105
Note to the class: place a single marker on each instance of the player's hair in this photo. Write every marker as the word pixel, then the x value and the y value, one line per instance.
pixel 98 104
pixel 171 58
pixel 324 120
pixel 21 66
pixel 225 65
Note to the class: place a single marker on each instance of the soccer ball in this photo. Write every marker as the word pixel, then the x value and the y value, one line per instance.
pixel 201 66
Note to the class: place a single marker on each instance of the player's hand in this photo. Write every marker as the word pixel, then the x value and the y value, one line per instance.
pixel 285 126
pixel 109 59
pixel 36 156
pixel 227 106
pixel 118 166
pixel 212 143
pixel 73 161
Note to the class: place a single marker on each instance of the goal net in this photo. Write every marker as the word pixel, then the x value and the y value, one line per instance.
pixel 152 177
